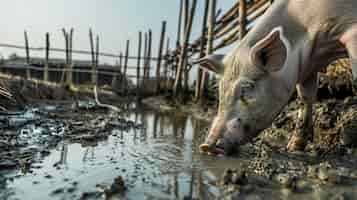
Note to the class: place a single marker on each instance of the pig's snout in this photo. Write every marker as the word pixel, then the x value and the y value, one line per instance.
pixel 222 138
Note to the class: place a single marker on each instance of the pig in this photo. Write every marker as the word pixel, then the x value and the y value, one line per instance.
pixel 283 53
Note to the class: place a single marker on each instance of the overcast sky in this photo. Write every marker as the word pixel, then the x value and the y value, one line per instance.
pixel 114 21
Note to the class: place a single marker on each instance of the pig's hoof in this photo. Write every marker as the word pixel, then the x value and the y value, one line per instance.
pixel 296 143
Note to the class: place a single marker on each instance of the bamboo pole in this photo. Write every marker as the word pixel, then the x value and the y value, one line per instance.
pixel 138 67
pixel 202 49
pixel 45 73
pixel 158 67
pixel 28 73
pixel 184 49
pixel 210 38
pixel 126 65
pixel 242 18
pixel 91 41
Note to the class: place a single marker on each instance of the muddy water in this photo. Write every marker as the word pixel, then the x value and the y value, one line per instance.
pixel 158 159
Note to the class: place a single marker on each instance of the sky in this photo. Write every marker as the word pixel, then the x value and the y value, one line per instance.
pixel 114 21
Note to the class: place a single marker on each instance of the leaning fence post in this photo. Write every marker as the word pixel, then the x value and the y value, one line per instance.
pixel 138 67
pixel 202 50
pixel 184 49
pixel 242 18
pixel 45 72
pixel 28 73
pixel 209 49
pixel 65 68
pixel 161 46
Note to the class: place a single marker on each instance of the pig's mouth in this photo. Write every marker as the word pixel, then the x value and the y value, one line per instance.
pixel 211 149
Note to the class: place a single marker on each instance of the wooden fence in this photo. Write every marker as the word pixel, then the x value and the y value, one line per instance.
pixel 218 31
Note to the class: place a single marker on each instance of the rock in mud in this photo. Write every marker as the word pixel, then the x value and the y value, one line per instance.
pixel 117 187
pixel 233 176
pixel 287 181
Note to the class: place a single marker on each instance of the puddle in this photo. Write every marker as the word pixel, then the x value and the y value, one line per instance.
pixel 157 158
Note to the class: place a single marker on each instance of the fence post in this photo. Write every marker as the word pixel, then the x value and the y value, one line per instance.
pixel 166 65
pixel 70 63
pixel 184 49
pixel 126 66
pixel 161 46
pixel 138 68
pixel 148 61
pixel 28 73
pixel 93 56
pixel 178 41
pixel 97 60
pixel 202 49
pixel 45 72
pixel 242 18
pixel 65 68
pixel 209 49
pixel 144 58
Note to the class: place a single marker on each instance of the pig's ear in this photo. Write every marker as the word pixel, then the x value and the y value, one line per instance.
pixel 270 53
pixel 213 63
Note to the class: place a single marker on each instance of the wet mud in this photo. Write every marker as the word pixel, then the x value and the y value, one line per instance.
pixel 81 151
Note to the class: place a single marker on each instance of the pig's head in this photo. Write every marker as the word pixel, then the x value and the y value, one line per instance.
pixel 252 91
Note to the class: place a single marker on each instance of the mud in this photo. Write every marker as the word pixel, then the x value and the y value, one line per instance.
pixel 80 151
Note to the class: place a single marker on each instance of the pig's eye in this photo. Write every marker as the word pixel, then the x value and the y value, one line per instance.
pixel 247 91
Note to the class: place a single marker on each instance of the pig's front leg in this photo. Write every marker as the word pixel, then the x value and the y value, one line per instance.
pixel 349 39
pixel 304 127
